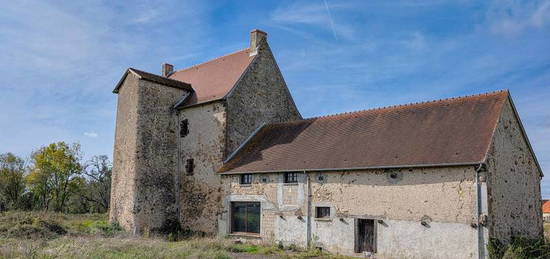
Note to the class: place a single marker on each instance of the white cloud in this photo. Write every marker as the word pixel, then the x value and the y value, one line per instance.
pixel 91 134
pixel 511 18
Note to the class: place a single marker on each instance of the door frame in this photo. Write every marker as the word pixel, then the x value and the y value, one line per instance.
pixel 374 234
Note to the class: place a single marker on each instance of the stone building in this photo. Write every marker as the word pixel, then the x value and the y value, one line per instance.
pixel 220 147
pixel 546 210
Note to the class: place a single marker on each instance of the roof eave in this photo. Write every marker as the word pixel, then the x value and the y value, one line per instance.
pixel 229 172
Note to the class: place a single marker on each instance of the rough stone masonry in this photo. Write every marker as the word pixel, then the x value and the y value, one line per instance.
pixel 220 148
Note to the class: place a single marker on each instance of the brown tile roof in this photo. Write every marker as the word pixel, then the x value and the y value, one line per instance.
pixel 214 79
pixel 155 79
pixel 450 131
pixel 545 206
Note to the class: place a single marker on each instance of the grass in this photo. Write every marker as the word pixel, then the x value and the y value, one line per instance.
pixel 56 235
pixel 547 231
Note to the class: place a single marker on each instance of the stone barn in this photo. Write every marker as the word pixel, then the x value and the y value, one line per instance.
pixel 220 148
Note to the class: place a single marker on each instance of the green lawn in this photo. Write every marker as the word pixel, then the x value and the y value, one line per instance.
pixel 54 235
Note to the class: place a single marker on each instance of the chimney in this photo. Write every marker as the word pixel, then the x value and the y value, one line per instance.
pixel 256 36
pixel 167 69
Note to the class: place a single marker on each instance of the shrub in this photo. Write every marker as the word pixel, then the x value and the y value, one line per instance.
pixel 519 248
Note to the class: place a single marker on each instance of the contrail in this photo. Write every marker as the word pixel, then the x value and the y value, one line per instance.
pixel 330 18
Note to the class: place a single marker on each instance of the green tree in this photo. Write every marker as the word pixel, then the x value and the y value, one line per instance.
pixel 52 178
pixel 98 187
pixel 12 183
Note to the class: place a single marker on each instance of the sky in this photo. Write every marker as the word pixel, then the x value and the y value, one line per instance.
pixel 60 60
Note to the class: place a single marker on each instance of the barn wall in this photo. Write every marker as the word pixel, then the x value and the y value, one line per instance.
pixel 199 193
pixel 444 197
pixel 513 183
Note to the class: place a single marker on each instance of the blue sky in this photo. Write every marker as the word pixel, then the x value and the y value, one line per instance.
pixel 61 59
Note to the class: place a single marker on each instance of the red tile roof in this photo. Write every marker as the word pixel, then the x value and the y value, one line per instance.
pixel 450 131
pixel 545 206
pixel 214 79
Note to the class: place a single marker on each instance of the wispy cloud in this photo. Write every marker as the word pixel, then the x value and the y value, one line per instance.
pixel 511 18
pixel 91 134
pixel 314 14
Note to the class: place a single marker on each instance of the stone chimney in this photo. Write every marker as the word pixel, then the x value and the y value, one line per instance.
pixel 256 36
pixel 167 69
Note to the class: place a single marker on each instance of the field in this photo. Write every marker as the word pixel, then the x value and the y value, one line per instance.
pixel 51 235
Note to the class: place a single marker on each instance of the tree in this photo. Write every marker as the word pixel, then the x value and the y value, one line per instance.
pixel 55 170
pixel 98 189
pixel 12 183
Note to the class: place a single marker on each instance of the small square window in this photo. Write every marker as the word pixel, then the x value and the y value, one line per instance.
pixel 184 128
pixel 189 166
pixel 322 212
pixel 291 177
pixel 246 178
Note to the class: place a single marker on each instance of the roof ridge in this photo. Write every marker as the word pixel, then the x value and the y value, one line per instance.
pixel 405 105
pixel 208 61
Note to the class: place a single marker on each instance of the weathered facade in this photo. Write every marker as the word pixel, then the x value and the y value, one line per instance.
pixel 173 136
pixel 220 147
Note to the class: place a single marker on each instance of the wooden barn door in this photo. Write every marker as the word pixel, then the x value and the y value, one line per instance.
pixel 364 236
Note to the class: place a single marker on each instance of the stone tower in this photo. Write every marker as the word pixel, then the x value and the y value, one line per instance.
pixel 174 131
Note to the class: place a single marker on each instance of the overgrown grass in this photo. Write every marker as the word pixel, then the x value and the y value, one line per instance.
pixel 56 235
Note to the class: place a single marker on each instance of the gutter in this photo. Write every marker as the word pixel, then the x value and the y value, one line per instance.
pixel 349 168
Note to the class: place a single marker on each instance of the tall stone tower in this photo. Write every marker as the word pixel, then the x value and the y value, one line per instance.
pixel 174 131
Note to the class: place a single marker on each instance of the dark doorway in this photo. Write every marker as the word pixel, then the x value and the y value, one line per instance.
pixel 364 236
pixel 245 217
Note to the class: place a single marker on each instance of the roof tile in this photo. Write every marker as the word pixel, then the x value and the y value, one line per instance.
pixel 450 131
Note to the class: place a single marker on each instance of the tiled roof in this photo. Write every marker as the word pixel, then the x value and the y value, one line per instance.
pixel 155 79
pixel 214 79
pixel 444 132
pixel 545 206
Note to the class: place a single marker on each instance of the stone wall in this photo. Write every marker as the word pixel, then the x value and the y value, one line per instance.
pixel 444 197
pixel 145 157
pixel 513 182
pixel 124 155
pixel 261 96
pixel 199 192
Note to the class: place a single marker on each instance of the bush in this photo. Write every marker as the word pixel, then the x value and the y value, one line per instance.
pixel 519 248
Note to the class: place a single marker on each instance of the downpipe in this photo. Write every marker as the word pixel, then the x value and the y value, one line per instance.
pixel 308 225
pixel 481 218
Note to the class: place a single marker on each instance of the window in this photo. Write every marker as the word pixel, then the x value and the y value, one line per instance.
pixel 246 178
pixel 322 212
pixel 184 128
pixel 291 177
pixel 189 166
pixel 245 217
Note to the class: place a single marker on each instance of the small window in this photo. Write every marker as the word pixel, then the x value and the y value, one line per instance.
pixel 291 177
pixel 322 212
pixel 246 178
pixel 184 128
pixel 189 166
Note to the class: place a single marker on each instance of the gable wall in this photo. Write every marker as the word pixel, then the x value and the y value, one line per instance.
pixel 199 194
pixel 145 157
pixel 261 96
pixel 124 155
pixel 513 182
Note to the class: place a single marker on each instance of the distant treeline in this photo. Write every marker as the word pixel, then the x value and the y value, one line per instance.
pixel 55 178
